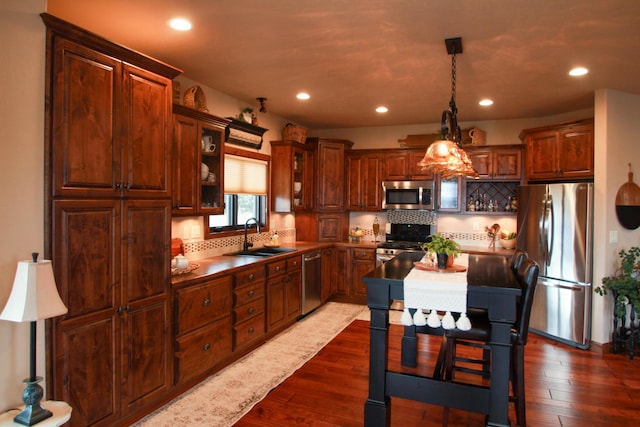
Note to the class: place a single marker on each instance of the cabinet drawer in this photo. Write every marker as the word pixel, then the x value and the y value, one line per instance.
pixel 277 267
pixel 294 263
pixel 368 254
pixel 249 331
pixel 248 293
pixel 248 310
pixel 200 304
pixel 202 349
pixel 251 275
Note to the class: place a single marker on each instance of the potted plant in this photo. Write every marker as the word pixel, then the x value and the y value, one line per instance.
pixel 625 284
pixel 445 249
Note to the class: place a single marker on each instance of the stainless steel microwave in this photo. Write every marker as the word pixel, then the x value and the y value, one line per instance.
pixel 408 195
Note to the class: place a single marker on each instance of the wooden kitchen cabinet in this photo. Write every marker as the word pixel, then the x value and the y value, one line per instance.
pixel 108 226
pixel 198 139
pixel 364 189
pixel 284 292
pixel 111 262
pixel 292 177
pixel 364 261
pixel 202 327
pixel 560 152
pixel 497 163
pixel 249 319
pixel 322 227
pixel 329 274
pixel 401 165
pixel 110 124
pixel 330 173
pixel 352 263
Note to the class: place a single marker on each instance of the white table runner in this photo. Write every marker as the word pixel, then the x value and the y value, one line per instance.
pixel 437 291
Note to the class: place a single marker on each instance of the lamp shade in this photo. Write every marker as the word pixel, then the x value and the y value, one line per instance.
pixel 34 295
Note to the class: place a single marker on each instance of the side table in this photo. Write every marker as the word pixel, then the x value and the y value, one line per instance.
pixel 61 414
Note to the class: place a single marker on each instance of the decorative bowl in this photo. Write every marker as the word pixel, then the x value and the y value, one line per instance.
pixel 508 244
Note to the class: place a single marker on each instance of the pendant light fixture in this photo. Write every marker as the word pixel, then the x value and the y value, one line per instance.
pixel 445 156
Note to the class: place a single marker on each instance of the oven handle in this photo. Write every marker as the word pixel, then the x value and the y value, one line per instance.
pixel 384 258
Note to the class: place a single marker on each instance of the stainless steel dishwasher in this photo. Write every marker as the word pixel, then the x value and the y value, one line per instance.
pixel 311 283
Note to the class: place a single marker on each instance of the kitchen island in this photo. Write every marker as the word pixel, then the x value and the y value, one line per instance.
pixel 492 286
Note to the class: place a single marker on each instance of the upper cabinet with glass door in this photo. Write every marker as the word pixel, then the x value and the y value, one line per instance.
pixel 198 172
pixel 291 177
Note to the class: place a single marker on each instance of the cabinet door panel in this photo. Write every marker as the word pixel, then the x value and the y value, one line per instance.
pixel 91 348
pixel 542 157
pixel 86 254
pixel 416 171
pixel 185 165
pixel 147 227
pixel 373 183
pixel 395 167
pixel 146 353
pixel 355 190
pixel 331 186
pixel 146 109
pixel 482 163
pixel 276 310
pixel 576 152
pixel 294 294
pixel 507 164
pixel 85 150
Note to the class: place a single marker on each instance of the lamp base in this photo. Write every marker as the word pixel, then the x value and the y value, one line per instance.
pixel 32 413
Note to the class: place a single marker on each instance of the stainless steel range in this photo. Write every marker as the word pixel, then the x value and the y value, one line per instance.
pixel 403 238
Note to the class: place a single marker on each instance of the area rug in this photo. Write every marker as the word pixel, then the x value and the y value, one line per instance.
pixel 225 397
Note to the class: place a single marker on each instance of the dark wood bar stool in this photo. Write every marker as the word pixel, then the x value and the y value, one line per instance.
pixel 480 333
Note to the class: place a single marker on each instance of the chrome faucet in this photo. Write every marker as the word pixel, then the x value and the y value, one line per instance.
pixel 246 245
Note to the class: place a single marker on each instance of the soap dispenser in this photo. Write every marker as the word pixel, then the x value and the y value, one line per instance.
pixel 275 239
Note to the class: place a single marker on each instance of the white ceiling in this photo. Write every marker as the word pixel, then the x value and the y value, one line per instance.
pixel 353 55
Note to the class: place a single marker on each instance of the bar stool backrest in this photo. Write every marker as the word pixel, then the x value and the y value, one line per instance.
pixel 528 277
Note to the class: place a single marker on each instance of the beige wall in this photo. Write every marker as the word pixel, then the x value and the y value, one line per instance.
pixel 616 145
pixel 21 172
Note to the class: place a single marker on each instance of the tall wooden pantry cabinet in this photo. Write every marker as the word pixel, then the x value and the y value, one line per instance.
pixel 108 225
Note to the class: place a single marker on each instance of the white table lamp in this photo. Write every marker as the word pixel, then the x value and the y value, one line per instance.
pixel 34 296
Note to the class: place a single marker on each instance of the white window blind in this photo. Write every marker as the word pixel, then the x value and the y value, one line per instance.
pixel 243 175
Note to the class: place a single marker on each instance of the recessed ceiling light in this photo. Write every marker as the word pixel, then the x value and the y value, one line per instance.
pixel 486 102
pixel 382 109
pixel 180 24
pixel 303 95
pixel 578 71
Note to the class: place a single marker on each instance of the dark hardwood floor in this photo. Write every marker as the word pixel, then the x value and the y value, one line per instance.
pixel 564 387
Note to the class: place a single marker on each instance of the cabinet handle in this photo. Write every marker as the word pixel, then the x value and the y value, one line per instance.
pixel 251 310
pixel 119 310
pixel 251 330
pixel 295 263
pixel 206 347
pixel 206 302
pixel 278 268
pixel 251 276
pixel 251 293
pixel 127 308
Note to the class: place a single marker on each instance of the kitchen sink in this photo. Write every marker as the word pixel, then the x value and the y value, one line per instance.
pixel 262 252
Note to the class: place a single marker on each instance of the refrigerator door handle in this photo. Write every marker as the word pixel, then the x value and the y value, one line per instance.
pixel 550 230
pixel 571 288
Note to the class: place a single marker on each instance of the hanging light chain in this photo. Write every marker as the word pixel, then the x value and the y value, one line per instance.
pixel 453 77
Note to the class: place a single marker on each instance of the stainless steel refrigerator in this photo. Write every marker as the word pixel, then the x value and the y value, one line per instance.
pixel 555 227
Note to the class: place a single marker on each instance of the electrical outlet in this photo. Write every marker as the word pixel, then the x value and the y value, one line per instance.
pixel 613 236
pixel 185 233
pixel 195 231
pixel 476 225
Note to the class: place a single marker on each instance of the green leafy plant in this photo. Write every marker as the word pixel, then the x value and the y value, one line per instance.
pixel 440 244
pixel 625 284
